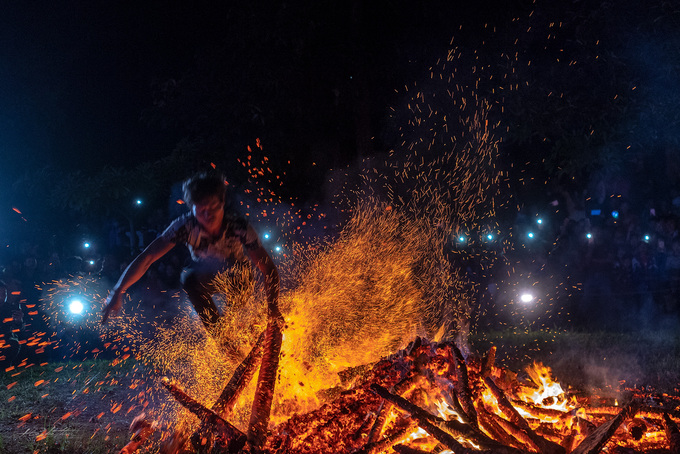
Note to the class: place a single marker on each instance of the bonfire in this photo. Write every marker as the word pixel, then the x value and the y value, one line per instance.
pixel 429 398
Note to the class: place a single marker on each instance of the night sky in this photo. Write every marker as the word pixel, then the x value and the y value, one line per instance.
pixel 80 80
pixel 77 76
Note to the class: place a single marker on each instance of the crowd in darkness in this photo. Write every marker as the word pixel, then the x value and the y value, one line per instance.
pixel 29 269
pixel 623 257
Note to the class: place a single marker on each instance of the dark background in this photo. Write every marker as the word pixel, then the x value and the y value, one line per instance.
pixel 95 94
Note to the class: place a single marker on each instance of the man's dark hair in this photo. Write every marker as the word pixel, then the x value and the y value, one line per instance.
pixel 202 186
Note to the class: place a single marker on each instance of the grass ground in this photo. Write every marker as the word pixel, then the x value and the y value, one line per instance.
pixel 65 407
pixel 86 407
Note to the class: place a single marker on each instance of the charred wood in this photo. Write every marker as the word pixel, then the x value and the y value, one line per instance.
pixel 266 380
pixel 644 411
pixel 488 362
pixel 238 381
pixel 242 376
pixel 422 417
pixel 407 384
pixel 517 433
pixel 458 408
pixel 400 388
pixel 362 428
pixel 536 411
pixel 439 449
pixel 463 385
pixel 387 442
pixel 672 433
pixel 488 422
pixel 548 431
pixel 413 346
pixel 403 449
pixel 225 435
pixel 377 427
pixel 468 432
pixel 544 446
pixel 594 442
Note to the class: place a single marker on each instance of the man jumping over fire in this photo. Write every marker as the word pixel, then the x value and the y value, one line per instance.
pixel 218 241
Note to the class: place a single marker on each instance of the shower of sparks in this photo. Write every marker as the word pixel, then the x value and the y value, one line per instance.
pixel 387 261
pixel 349 298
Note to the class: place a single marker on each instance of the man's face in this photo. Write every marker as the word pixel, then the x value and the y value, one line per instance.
pixel 209 214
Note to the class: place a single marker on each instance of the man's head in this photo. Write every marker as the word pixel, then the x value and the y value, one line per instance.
pixel 205 194
pixel 203 186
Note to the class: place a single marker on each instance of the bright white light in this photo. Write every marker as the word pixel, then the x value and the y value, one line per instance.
pixel 277 248
pixel 266 236
pixel 646 238
pixel 489 237
pixel 526 297
pixel 86 245
pixel 539 221
pixel 461 239
pixel 91 262
pixel 589 235
pixel 76 307
pixel 530 234
pixel 138 201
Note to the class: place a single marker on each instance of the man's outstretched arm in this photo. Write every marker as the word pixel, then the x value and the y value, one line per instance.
pixel 134 272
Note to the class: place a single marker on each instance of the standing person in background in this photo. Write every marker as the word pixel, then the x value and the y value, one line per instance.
pixel 12 319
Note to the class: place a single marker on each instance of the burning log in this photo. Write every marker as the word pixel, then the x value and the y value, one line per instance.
pixel 362 429
pixel 403 449
pixel 596 440
pixel 227 437
pixel 266 380
pixel 488 422
pixel 388 441
pixel 242 376
pixel 379 423
pixel 470 433
pixel 536 411
pixel 585 427
pixel 643 411
pixel 238 381
pixel 423 418
pixel 488 362
pixel 521 435
pixel 672 433
pixel 545 446
pixel 463 386
pixel 400 389
pixel 360 420
pixel 457 407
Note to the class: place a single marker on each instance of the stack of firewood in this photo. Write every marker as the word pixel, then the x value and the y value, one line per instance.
pixel 429 398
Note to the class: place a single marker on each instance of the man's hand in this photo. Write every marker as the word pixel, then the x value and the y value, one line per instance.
pixel 114 304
